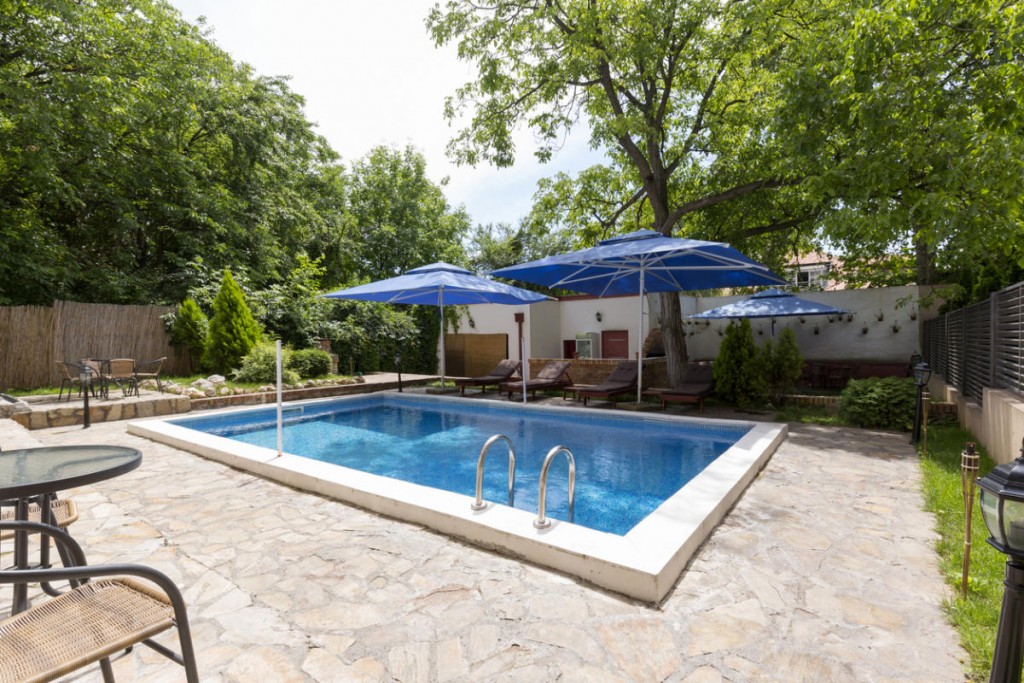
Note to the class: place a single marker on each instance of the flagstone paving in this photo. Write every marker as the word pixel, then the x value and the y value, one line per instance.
pixel 824 571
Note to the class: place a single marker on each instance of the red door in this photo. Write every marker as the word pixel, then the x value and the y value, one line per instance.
pixel 568 348
pixel 615 344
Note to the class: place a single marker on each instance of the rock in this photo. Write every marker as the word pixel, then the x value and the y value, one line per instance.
pixel 216 379
pixel 203 384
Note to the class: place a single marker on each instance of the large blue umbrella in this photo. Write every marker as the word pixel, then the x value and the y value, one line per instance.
pixel 439 284
pixel 771 303
pixel 642 262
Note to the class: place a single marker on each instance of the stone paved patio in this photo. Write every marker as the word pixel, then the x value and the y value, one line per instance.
pixel 824 571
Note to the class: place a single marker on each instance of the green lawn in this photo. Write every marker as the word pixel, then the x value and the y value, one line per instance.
pixel 975 616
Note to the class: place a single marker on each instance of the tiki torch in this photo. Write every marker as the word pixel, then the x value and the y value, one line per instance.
pixel 968 472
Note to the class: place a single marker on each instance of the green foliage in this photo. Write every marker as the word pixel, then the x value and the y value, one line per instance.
pixel 260 366
pixel 783 364
pixel 309 363
pixel 293 310
pixel 233 330
pixel 191 330
pixel 884 403
pixel 739 369
pixel 976 615
pixel 369 335
pixel 399 218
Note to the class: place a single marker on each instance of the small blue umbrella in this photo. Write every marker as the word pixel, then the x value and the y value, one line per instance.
pixel 771 303
pixel 641 262
pixel 439 284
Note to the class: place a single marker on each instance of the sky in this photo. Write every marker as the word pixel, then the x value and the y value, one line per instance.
pixel 370 75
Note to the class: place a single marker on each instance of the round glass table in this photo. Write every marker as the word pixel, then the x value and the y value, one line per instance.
pixel 28 473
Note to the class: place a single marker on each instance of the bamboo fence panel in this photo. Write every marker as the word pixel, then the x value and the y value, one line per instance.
pixel 33 338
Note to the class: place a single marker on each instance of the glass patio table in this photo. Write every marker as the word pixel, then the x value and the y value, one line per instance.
pixel 29 473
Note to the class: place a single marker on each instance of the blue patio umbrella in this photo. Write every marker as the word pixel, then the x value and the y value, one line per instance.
pixel 641 262
pixel 439 284
pixel 771 303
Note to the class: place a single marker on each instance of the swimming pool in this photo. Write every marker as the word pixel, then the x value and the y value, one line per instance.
pixel 634 539
pixel 624 469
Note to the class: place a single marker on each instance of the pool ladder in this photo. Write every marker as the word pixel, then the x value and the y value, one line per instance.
pixel 542 522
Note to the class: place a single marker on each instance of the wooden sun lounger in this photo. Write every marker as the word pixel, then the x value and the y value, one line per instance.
pixel 698 383
pixel 622 380
pixel 500 374
pixel 554 375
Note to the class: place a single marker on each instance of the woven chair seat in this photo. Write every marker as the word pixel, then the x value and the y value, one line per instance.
pixel 64 513
pixel 84 625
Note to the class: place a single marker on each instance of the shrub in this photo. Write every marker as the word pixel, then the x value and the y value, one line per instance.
pixel 885 403
pixel 233 330
pixel 739 372
pixel 782 363
pixel 190 329
pixel 310 363
pixel 260 366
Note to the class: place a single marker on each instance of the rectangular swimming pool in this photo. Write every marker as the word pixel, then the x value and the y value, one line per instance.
pixel 649 487
pixel 624 468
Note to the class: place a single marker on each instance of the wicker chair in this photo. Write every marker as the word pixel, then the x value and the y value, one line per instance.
pixel 92 621
pixel 63 510
pixel 149 369
pixel 122 373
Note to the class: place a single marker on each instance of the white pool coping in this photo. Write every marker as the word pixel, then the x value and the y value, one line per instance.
pixel 644 564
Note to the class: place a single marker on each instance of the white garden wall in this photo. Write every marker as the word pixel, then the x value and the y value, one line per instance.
pixel 548 323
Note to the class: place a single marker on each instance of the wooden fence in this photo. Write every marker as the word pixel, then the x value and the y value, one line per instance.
pixel 34 338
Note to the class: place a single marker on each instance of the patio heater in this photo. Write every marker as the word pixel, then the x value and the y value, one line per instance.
pixel 1002 508
pixel 85 378
pixel 922 373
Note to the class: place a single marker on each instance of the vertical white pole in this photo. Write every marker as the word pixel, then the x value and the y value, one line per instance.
pixel 440 304
pixel 280 425
pixel 526 365
pixel 640 342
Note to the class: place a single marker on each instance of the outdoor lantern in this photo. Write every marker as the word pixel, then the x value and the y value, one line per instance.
pixel 398 368
pixel 598 316
pixel 922 373
pixel 1002 508
pixel 85 377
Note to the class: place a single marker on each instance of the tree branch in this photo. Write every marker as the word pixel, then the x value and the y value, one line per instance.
pixel 727 195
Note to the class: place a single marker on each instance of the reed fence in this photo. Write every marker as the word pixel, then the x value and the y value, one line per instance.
pixel 34 338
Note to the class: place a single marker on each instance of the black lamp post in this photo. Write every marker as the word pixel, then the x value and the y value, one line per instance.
pixel 1002 507
pixel 398 367
pixel 85 378
pixel 922 373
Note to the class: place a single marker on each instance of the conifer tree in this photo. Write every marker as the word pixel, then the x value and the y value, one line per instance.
pixel 739 371
pixel 191 329
pixel 233 329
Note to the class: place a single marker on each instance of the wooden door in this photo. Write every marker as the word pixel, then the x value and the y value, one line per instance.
pixel 615 344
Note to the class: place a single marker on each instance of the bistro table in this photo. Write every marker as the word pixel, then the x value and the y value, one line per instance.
pixel 29 473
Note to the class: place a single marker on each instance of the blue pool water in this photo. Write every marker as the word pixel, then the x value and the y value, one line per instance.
pixel 626 466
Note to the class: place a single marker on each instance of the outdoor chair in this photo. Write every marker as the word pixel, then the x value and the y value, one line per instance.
pixel 554 375
pixel 100 376
pixel 698 383
pixel 622 380
pixel 93 620
pixel 149 369
pixel 63 510
pixel 501 373
pixel 121 371
pixel 68 377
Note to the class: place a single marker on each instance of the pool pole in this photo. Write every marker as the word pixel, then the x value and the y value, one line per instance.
pixel 280 426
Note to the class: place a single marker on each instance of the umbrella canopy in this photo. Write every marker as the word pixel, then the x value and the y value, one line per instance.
pixel 642 262
pixel 771 303
pixel 439 284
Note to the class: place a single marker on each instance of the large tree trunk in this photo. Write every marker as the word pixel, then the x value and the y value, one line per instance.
pixel 673 336
pixel 923 262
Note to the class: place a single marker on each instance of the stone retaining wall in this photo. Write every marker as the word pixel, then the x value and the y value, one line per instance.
pixel 70 414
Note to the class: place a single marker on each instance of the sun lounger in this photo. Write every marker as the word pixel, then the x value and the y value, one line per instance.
pixel 622 380
pixel 554 375
pixel 698 383
pixel 501 373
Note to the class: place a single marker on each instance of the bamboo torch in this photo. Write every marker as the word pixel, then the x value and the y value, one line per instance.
pixel 968 473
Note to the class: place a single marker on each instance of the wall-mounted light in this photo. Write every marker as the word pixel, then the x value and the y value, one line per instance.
pixel 598 316
pixel 472 323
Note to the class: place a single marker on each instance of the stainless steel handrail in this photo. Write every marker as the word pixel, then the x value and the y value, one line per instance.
pixel 543 522
pixel 479 503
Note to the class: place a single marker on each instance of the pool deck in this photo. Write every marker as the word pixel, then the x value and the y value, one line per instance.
pixel 823 571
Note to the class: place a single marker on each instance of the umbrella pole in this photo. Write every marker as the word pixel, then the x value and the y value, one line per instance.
pixel 440 305
pixel 640 344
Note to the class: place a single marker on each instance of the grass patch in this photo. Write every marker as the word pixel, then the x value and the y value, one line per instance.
pixel 815 415
pixel 975 616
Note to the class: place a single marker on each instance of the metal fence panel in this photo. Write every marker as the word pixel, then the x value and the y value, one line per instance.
pixel 981 345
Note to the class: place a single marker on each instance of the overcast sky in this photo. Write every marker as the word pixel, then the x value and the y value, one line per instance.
pixel 370 75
